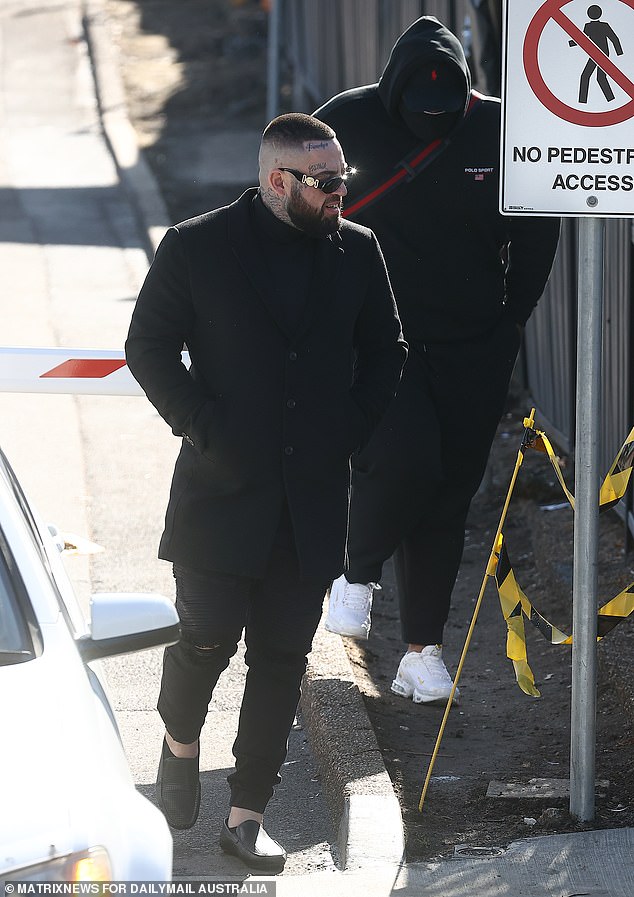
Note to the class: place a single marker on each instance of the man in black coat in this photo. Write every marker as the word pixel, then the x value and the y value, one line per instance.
pixel 466 280
pixel 296 350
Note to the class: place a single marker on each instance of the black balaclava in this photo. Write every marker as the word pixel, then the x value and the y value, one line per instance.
pixel 426 73
pixel 432 101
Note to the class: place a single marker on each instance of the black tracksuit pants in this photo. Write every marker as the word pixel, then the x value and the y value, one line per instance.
pixel 413 483
pixel 279 615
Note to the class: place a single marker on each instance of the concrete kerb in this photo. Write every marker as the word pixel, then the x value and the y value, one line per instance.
pixel 135 173
pixel 358 790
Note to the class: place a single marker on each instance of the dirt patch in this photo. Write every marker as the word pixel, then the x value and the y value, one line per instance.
pixel 203 69
pixel 498 733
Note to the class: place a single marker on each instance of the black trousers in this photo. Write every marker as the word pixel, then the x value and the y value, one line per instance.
pixel 413 483
pixel 279 615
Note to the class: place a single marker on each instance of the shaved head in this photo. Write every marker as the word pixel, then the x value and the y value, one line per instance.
pixel 288 137
pixel 304 145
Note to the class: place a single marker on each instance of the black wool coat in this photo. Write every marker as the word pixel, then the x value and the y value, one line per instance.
pixel 265 414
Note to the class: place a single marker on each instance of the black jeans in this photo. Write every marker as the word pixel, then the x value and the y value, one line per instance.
pixel 279 615
pixel 413 483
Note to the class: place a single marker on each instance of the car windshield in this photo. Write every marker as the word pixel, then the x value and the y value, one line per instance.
pixel 16 644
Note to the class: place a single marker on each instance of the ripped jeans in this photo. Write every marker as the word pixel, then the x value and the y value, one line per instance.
pixel 279 615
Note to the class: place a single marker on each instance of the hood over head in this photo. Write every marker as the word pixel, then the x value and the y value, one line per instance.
pixel 429 60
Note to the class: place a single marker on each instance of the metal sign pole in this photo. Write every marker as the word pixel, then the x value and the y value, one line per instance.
pixel 584 592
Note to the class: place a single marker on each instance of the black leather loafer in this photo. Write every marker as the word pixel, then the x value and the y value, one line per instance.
pixel 251 844
pixel 178 789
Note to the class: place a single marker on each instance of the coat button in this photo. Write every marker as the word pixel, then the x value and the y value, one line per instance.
pixel 292 356
pixel 290 403
pixel 289 450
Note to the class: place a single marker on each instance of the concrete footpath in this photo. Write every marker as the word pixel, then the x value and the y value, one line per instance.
pixel 79 216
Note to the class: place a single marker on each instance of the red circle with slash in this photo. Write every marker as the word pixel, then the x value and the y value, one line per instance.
pixel 552 9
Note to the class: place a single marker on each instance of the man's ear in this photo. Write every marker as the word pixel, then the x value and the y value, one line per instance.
pixel 276 182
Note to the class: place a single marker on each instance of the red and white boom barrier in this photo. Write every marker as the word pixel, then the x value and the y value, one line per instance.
pixel 99 372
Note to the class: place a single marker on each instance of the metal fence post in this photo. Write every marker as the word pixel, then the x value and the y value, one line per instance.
pixel 584 626
pixel 273 60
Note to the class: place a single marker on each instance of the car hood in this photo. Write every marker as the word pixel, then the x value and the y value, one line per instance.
pixel 61 761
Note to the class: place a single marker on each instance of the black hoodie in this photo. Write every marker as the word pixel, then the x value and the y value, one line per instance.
pixel 442 235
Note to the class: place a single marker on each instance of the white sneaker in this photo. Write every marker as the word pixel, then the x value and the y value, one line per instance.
pixel 349 608
pixel 423 677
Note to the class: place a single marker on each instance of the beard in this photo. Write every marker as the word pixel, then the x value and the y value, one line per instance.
pixel 313 222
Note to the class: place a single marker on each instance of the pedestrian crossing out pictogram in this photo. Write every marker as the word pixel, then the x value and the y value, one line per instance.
pixel 602 35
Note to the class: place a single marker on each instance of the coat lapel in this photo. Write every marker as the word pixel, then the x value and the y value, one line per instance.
pixel 247 249
pixel 249 253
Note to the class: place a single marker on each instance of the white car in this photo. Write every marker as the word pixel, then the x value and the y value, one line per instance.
pixel 69 810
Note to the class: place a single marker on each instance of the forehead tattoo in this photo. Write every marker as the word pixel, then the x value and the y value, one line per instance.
pixel 316 146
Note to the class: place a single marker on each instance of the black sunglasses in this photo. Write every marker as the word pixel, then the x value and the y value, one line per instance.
pixel 328 186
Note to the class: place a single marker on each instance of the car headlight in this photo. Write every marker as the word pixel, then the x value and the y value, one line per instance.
pixel 89 865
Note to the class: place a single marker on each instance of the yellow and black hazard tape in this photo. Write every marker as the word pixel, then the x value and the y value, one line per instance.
pixel 515 606
pixel 513 601
pixel 617 478
pixel 538 441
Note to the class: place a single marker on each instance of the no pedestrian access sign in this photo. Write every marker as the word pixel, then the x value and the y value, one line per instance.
pixel 568 108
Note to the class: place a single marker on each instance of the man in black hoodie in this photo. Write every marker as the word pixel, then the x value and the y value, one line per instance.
pixel 466 279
